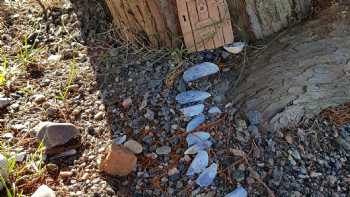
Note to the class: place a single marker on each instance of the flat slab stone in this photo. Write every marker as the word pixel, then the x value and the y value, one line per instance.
pixel 192 96
pixel 238 192
pixel 200 70
pixel 195 122
pixel 197 137
pixel 199 163
pixel 198 147
pixel 207 177
pixel 193 110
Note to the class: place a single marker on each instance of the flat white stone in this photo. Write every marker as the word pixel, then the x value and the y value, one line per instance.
pixel 193 110
pixel 200 70
pixel 199 163
pixel 198 147
pixel 191 96
pixel 195 123
pixel 197 137
pixel 238 192
pixel 207 177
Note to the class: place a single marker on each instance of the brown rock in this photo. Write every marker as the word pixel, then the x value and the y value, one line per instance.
pixel 119 161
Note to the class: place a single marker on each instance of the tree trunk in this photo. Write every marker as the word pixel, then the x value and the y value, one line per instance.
pixel 156 21
pixel 153 21
pixel 301 73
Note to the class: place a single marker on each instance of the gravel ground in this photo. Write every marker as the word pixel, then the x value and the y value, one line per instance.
pixel 121 90
pixel 56 54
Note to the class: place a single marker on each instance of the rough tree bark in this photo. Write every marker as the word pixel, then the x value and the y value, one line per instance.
pixel 154 21
pixel 301 73
pixel 251 19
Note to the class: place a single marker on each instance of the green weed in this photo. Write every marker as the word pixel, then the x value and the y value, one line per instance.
pixel 18 171
pixel 72 74
pixel 28 54
pixel 178 55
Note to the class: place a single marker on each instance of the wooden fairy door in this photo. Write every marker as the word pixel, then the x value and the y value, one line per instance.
pixel 205 24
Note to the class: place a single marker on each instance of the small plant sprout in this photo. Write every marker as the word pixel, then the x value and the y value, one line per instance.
pixel 72 74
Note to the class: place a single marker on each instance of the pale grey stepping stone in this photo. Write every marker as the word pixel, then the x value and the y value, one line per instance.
pixel 195 122
pixel 214 110
pixel 207 177
pixel 199 163
pixel 193 110
pixel 200 70
pixel 235 48
pixel 198 147
pixel 197 137
pixel 238 192
pixel 191 96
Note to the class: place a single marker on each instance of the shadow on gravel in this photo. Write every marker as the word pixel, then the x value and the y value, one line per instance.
pixel 123 72
pixel 95 24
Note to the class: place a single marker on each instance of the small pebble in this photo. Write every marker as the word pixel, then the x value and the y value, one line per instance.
pixel 99 116
pixel 134 146
pixel 39 98
pixel 66 174
pixel 163 150
pixel 120 140
pixel 54 58
pixel 127 103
